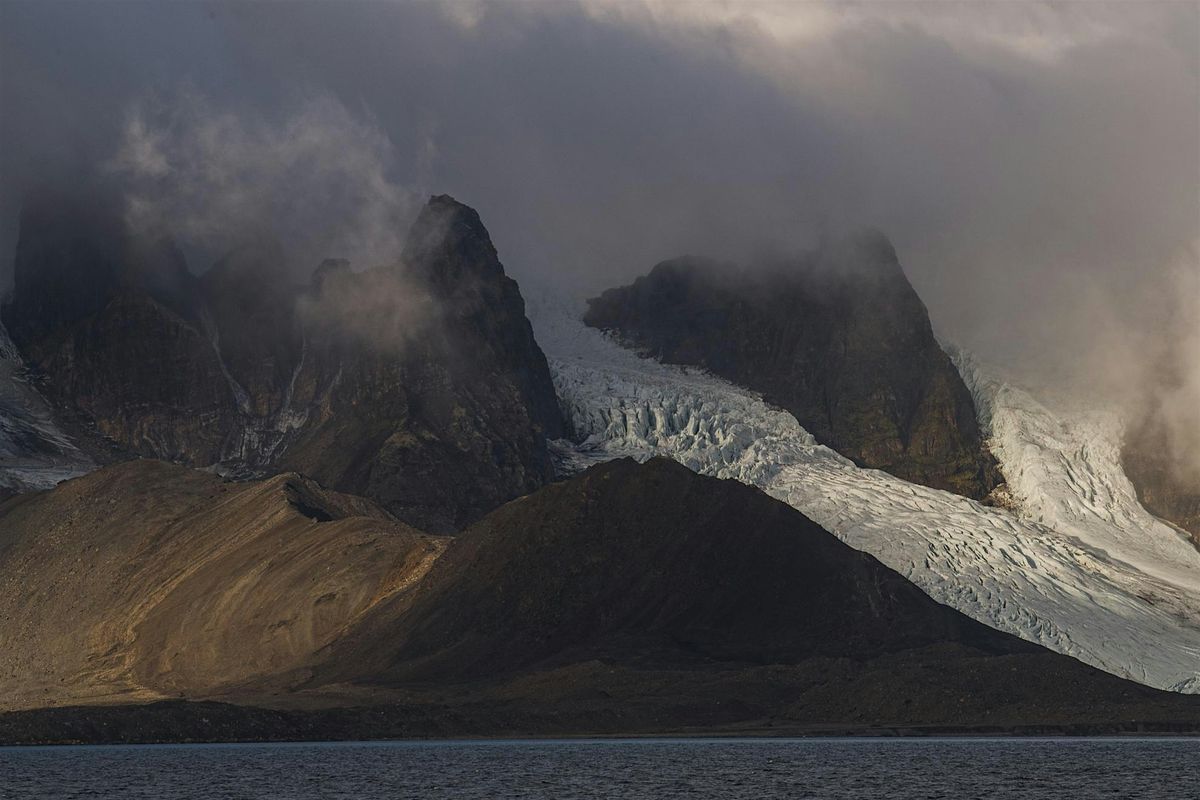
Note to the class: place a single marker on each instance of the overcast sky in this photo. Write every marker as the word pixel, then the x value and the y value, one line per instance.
pixel 1036 166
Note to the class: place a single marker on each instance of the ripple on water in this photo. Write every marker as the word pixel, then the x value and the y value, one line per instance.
pixel 833 769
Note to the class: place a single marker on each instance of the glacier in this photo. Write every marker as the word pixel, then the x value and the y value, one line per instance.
pixel 1075 564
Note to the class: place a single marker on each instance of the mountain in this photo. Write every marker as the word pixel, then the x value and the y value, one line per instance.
pixel 424 387
pixel 105 322
pixel 630 598
pixel 650 565
pixel 838 338
pixel 418 384
pixel 655 586
pixel 35 450
pixel 145 580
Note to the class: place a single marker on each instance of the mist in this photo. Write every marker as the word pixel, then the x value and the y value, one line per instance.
pixel 316 180
pixel 1037 166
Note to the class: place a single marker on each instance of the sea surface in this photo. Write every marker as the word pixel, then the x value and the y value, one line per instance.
pixel 961 769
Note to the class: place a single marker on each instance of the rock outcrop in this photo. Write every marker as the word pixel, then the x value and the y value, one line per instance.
pixel 417 384
pixel 36 450
pixel 107 325
pixel 839 338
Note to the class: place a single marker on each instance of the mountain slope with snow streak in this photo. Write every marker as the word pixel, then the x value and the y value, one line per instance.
pixel 1079 567
pixel 35 453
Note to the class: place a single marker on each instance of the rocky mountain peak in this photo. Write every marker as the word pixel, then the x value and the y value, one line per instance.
pixel 420 387
pixel 449 247
pixel 837 337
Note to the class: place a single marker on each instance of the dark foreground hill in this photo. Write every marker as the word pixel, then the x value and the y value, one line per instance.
pixel 417 384
pixel 839 338
pixel 629 599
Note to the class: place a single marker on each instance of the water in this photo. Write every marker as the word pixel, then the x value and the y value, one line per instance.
pixel 956 769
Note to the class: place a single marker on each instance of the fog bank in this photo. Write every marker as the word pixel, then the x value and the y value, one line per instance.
pixel 1037 166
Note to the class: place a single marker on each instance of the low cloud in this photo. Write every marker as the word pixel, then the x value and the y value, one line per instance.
pixel 1037 165
pixel 1171 386
pixel 316 178
pixel 382 308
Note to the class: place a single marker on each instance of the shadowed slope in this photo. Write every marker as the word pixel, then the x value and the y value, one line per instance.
pixel 655 564
pixel 417 384
pixel 647 594
pixel 631 598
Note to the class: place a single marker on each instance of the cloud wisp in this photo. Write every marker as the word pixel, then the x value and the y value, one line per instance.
pixel 1037 165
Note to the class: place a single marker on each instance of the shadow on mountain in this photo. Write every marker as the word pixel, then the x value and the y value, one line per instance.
pixel 838 338
pixel 632 598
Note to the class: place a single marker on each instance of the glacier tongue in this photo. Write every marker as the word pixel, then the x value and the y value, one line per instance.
pixel 1079 567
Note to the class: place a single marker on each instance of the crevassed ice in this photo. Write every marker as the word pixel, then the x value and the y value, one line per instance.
pixel 1080 567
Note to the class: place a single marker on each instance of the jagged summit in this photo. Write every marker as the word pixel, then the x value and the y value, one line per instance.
pixel 450 234
pixel 419 384
pixel 652 564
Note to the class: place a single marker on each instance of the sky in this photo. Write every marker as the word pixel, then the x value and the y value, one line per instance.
pixel 1037 166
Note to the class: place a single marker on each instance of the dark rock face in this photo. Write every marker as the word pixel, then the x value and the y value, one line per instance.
pixel 418 385
pixel 73 257
pixel 442 412
pixel 249 314
pixel 1163 487
pixel 839 339
pixel 630 598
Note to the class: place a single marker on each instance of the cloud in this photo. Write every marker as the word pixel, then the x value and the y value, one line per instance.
pixel 1036 165
pixel 1173 376
pixel 317 178
pixel 384 308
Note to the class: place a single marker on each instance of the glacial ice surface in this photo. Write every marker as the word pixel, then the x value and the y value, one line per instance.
pixel 1077 566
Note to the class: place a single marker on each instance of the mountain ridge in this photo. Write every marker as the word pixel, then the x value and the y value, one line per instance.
pixel 425 372
pixel 631 598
